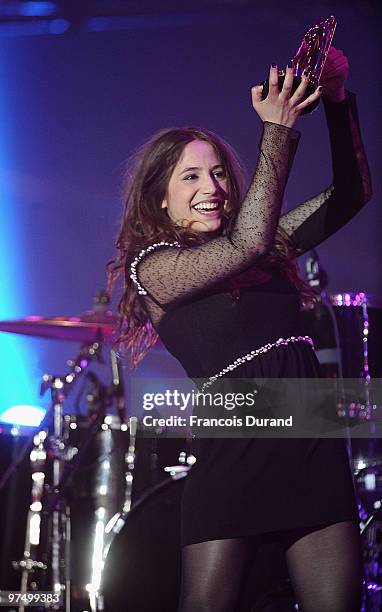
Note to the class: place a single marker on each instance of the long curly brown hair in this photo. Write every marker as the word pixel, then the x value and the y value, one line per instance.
pixel 145 222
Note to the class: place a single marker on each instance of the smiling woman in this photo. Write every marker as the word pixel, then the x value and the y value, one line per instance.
pixel 214 275
pixel 197 190
pixel 185 187
pixel 176 170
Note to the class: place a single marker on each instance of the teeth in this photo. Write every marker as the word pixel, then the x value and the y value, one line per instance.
pixel 207 206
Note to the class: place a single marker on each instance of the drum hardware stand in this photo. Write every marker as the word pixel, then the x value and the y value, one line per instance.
pixel 366 407
pixel 100 399
pixel 116 522
pixel 348 410
pixel 318 279
pixel 29 564
pixel 59 540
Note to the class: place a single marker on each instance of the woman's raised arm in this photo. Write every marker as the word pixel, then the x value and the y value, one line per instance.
pixel 321 216
pixel 169 273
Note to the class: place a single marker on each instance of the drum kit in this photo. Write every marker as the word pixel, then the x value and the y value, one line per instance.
pixel 82 468
pixel 103 520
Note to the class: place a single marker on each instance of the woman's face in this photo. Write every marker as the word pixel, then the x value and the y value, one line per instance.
pixel 197 190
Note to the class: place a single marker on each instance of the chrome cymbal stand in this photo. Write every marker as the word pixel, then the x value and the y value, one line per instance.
pixel 107 525
pixel 57 554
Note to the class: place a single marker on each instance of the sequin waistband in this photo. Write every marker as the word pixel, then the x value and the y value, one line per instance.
pixel 263 349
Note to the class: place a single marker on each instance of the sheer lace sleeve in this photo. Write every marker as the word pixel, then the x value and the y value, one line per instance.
pixel 321 216
pixel 167 274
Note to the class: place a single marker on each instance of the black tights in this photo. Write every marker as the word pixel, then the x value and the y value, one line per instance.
pixel 324 566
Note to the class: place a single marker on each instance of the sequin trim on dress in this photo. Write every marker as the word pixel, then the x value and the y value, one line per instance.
pixel 263 349
pixel 135 262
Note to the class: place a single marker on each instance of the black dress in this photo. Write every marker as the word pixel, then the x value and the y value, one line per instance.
pixel 211 305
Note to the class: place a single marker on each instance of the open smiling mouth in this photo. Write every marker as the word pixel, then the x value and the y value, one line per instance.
pixel 209 209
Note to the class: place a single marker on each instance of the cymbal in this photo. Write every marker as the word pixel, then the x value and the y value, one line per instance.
pixel 88 327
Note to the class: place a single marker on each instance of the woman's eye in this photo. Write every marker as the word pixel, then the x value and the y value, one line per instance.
pixel 220 174
pixel 190 176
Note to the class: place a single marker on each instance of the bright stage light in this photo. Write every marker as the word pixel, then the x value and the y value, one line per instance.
pixel 23 415
pixel 19 378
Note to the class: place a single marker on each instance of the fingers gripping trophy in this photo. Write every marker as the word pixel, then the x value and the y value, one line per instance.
pixel 315 68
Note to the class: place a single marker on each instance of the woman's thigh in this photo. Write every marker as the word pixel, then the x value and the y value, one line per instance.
pixel 325 567
pixel 213 574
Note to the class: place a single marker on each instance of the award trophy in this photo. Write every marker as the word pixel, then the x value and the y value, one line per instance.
pixel 311 55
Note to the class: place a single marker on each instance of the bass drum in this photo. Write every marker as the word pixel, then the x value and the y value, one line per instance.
pixel 98 492
pixel 142 568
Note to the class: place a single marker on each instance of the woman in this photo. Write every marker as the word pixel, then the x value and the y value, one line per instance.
pixel 216 279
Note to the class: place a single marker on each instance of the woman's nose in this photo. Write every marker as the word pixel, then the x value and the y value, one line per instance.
pixel 210 185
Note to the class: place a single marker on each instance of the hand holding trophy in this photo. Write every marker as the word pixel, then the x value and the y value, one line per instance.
pixel 309 57
pixel 334 75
